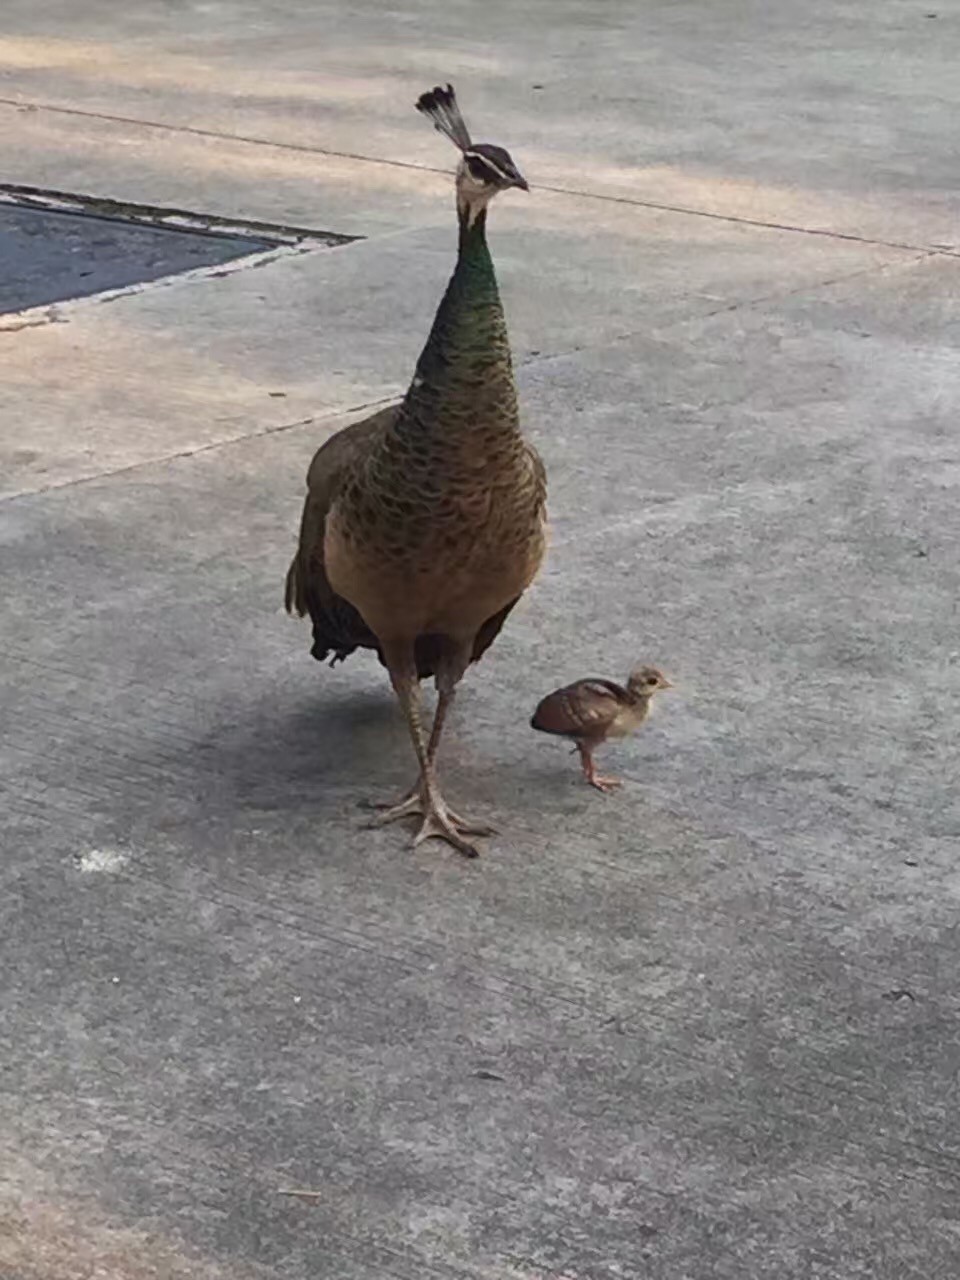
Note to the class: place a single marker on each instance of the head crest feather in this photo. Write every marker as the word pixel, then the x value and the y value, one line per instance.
pixel 440 106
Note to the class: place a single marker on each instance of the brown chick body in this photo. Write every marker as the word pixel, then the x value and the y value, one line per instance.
pixel 593 710
pixel 424 523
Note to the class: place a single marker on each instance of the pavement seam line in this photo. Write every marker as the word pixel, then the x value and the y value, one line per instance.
pixel 251 140
pixel 164 217
pixel 259 434
pixel 921 256
pixel 729 308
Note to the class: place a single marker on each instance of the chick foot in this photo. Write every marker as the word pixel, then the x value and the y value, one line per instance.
pixel 603 784
pixel 590 772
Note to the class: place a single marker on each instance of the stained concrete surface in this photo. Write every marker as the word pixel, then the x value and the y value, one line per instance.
pixel 707 1027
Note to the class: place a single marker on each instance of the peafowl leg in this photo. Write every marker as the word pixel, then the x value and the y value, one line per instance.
pixel 412 804
pixel 425 800
pixel 464 825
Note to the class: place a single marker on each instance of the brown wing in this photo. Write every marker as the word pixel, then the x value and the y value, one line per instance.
pixel 539 477
pixel 337 626
pixel 493 626
pixel 585 709
pixel 490 630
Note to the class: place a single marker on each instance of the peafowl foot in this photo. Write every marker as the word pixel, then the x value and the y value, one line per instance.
pixel 411 806
pixel 439 821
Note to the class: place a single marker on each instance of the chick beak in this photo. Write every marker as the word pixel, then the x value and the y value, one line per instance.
pixel 520 181
pixel 665 683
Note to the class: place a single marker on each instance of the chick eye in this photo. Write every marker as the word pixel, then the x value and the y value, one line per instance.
pixel 651 679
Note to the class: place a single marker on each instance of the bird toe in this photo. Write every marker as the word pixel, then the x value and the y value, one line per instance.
pixel 468 827
pixel 606 785
pixel 438 825
pixel 411 806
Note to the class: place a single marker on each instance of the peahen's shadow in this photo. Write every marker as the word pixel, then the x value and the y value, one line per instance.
pixel 308 758
pixel 316 758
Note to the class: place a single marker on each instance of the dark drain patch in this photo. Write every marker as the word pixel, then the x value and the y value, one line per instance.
pixel 55 246
pixel 49 257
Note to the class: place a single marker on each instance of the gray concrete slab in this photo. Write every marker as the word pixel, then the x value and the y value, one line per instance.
pixel 693 994
pixel 706 1028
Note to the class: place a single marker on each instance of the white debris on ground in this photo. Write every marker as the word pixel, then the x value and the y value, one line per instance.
pixel 108 861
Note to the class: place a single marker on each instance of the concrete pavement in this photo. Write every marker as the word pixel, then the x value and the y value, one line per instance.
pixel 706 1028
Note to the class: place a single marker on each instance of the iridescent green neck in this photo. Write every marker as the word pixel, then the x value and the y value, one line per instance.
pixel 474 271
pixel 469 330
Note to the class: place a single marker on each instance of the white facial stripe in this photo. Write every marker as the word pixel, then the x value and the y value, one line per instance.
pixel 504 177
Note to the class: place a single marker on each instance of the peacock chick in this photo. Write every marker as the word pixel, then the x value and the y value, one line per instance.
pixel 424 524
pixel 591 711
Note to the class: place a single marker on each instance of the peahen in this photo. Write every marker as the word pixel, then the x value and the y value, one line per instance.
pixel 425 523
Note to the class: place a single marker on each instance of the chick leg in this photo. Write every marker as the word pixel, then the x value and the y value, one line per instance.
pixel 590 773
